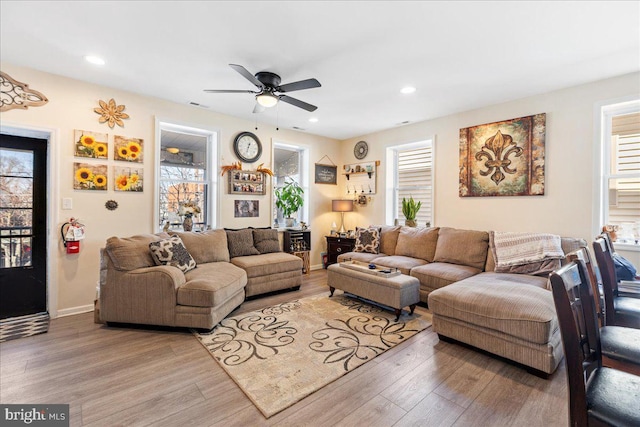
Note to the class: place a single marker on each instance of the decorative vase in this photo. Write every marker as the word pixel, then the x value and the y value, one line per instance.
pixel 289 222
pixel 187 224
pixel 410 223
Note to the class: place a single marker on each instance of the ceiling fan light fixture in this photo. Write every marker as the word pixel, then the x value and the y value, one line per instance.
pixel 267 99
pixel 173 150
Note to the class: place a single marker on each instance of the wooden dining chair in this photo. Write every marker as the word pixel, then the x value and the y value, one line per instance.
pixel 619 310
pixel 620 346
pixel 598 395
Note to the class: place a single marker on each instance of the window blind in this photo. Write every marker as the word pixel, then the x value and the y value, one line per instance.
pixel 415 179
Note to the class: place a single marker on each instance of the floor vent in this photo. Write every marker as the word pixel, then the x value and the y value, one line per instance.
pixel 24 326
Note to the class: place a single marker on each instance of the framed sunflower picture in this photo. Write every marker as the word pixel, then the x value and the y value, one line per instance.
pixel 128 179
pixel 90 144
pixel 90 177
pixel 128 149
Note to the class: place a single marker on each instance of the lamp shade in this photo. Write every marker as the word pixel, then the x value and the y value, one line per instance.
pixel 342 205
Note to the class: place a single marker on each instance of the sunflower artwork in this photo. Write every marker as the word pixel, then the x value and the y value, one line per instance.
pixel 90 177
pixel 128 179
pixel 90 144
pixel 128 149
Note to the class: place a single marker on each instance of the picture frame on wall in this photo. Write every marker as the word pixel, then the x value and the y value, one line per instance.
pixel 246 182
pixel 326 174
pixel 246 208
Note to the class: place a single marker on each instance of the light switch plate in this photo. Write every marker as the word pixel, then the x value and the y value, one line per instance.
pixel 67 203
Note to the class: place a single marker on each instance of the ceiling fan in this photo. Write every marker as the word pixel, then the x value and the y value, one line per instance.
pixel 270 90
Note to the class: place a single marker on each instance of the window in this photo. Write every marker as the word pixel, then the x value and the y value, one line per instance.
pixel 410 175
pixel 290 162
pixel 186 169
pixel 620 204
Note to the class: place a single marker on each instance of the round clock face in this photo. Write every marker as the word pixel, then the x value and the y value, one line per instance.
pixel 247 147
pixel 360 150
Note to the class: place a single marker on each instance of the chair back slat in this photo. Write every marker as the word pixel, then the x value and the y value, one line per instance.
pixel 594 278
pixel 604 258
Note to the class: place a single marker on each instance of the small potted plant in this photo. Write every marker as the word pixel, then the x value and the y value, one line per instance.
pixel 289 199
pixel 410 209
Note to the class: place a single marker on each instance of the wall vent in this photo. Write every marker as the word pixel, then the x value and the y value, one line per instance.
pixel 195 104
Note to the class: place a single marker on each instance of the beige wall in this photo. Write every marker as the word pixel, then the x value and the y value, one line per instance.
pixel 71 106
pixel 569 200
pixel 566 208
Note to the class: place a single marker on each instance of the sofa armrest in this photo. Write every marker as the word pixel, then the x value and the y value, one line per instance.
pixel 144 295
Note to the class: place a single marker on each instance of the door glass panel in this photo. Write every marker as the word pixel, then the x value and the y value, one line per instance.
pixel 16 203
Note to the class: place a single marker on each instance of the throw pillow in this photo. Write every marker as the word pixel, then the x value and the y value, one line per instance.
pixel 172 252
pixel 241 243
pixel 131 253
pixel 266 240
pixel 367 240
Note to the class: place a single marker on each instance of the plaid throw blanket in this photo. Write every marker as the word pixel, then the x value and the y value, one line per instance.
pixel 525 248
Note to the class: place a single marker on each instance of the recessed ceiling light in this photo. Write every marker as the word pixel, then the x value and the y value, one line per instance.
pixel 96 60
pixel 313 119
pixel 407 89
pixel 173 150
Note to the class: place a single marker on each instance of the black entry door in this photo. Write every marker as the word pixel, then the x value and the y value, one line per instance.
pixel 23 242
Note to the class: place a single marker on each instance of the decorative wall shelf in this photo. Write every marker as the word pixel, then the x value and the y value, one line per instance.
pixel 361 177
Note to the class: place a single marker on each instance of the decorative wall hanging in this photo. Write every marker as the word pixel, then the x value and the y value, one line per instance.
pixel 246 208
pixel 128 179
pixel 90 177
pixel 361 178
pixel 90 144
pixel 503 158
pixel 15 94
pixel 326 174
pixel 111 113
pixel 360 150
pixel 128 149
pixel 111 205
pixel 246 182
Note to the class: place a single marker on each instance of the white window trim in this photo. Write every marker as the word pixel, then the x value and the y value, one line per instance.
pixel 304 172
pixel 213 154
pixel 391 177
pixel 603 112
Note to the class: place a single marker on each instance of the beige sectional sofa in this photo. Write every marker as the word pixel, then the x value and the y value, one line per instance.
pixel 511 315
pixel 229 266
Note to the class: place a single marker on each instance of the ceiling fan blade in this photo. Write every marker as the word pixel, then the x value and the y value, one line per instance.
pixel 258 108
pixel 247 75
pixel 298 103
pixel 302 84
pixel 228 91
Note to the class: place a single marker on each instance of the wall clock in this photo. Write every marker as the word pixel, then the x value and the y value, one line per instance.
pixel 360 150
pixel 247 147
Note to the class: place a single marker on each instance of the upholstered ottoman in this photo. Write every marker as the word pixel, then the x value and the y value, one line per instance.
pixel 513 318
pixel 395 292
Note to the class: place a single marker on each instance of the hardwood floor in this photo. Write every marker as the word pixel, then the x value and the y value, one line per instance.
pixel 148 376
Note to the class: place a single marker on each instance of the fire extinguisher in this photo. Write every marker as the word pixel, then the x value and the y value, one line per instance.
pixel 72 232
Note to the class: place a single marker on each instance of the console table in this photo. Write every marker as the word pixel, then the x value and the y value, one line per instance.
pixel 336 246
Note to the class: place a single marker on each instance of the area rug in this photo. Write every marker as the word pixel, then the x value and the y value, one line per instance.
pixel 281 354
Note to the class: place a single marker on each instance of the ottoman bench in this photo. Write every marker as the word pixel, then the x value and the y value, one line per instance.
pixel 395 292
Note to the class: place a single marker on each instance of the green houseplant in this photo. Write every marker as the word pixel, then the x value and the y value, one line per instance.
pixel 289 199
pixel 410 209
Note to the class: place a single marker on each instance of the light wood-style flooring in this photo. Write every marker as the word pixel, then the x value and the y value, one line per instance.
pixel 135 376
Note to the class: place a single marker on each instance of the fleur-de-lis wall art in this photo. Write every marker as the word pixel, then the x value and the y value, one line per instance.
pixel 15 94
pixel 504 158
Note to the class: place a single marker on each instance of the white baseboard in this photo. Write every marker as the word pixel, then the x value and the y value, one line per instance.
pixel 74 310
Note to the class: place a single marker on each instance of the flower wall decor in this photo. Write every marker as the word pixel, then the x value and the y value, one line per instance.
pixel 503 158
pixel 128 179
pixel 128 149
pixel 90 144
pixel 90 177
pixel 111 113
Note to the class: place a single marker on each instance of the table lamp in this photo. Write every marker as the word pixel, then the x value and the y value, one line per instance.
pixel 342 206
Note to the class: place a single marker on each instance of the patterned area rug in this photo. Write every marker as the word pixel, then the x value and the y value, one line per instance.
pixel 281 354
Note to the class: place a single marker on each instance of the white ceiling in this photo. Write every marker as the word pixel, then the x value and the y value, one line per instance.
pixel 459 55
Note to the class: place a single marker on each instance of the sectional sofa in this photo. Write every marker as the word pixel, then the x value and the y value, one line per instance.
pixel 506 312
pixel 221 269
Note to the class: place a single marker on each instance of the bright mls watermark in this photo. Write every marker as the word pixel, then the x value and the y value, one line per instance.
pixel 35 415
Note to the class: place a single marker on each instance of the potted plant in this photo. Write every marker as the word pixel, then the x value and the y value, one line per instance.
pixel 410 209
pixel 289 199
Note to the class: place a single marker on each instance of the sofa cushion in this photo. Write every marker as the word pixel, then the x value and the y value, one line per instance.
pixel 131 253
pixel 240 243
pixel 417 242
pixel 266 264
pixel 389 238
pixel 359 256
pixel 463 247
pixel 172 252
pixel 489 302
pixel 438 274
pixel 208 246
pixel 367 240
pixel 266 240
pixel 402 263
pixel 211 284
